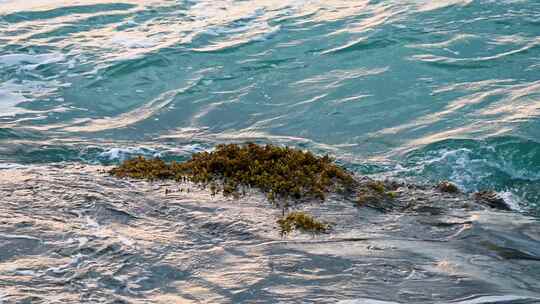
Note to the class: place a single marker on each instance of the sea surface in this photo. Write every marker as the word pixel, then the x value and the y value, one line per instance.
pixel 428 90
pixel 413 90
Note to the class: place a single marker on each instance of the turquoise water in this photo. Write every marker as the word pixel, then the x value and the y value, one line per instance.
pixel 422 90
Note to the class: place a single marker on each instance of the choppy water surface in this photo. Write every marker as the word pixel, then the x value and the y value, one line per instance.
pixel 85 237
pixel 389 86
pixel 412 89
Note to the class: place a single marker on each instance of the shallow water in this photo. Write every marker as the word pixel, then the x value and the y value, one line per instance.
pixel 85 237
pixel 413 89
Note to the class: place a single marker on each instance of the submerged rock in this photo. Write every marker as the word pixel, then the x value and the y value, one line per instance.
pixel 448 187
pixel 491 199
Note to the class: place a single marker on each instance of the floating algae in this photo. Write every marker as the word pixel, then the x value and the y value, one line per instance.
pixel 280 172
pixel 302 221
pixel 283 174
pixel 375 194
pixel 448 187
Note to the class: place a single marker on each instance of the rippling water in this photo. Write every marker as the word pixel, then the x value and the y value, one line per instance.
pixel 412 89
pixel 83 237
pixel 382 85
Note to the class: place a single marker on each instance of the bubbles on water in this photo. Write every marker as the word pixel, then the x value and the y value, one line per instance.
pixel 121 154
pixel 505 164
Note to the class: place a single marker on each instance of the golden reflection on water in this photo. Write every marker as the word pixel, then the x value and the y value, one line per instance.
pixel 225 24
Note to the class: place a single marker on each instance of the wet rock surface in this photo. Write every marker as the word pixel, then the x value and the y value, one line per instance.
pixel 491 199
pixel 73 234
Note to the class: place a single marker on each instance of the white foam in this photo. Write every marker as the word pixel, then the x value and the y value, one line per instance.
pixel 188 149
pixel 130 41
pixel 32 60
pixel 92 223
pixel 26 272
pixel 10 166
pixel 82 241
pixel 13 93
pixel 126 241
pixel 494 299
pixel 124 153
pixel 512 200
pixel 479 300
pixel 9 101
pixel 365 301
pixel 430 5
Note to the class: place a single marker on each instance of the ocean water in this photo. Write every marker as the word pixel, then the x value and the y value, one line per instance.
pixel 415 90
pixel 423 90
pixel 70 234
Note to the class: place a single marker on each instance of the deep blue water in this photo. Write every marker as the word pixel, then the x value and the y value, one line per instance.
pixel 423 90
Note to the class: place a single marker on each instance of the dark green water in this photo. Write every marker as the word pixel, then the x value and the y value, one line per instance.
pixel 425 90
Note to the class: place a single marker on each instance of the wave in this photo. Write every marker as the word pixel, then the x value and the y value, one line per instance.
pixel 507 164
pixel 123 153
pixel 30 61
pixel 362 44
pixel 66 221
pixel 8 133
pixel 25 152
pixel 25 16
pixel 503 299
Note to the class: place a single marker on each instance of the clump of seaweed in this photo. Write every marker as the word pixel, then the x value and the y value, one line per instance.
pixel 142 168
pixel 302 221
pixel 280 172
pixel 375 194
pixel 448 187
pixel 377 186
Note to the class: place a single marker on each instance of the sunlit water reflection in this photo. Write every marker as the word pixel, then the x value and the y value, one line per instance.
pixel 416 90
